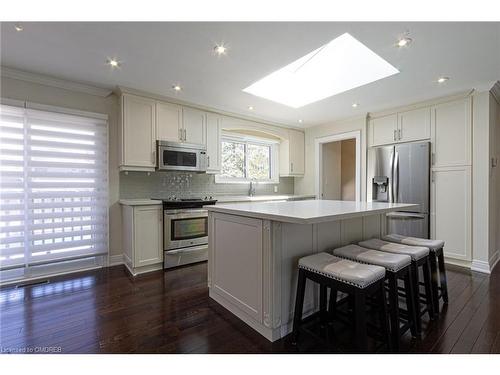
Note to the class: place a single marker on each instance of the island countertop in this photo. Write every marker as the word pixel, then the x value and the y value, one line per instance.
pixel 309 211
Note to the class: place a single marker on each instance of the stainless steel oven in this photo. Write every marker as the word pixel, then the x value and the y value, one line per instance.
pixel 184 228
pixel 185 231
pixel 174 156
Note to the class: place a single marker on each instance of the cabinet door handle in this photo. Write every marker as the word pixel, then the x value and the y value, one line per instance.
pixel 394 136
pixel 400 132
pixel 432 176
pixel 185 137
pixel 208 161
pixel 153 154
pixel 291 167
pixel 433 158
pixel 180 134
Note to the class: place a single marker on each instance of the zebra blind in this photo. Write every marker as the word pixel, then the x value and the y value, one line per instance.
pixel 53 187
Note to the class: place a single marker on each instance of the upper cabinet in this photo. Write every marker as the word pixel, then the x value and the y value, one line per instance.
pixel 452 133
pixel 292 154
pixel 137 133
pixel 214 128
pixel 383 130
pixel 168 122
pixel 194 125
pixel 399 127
pixel 414 125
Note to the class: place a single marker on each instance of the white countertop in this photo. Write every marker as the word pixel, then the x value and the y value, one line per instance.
pixel 139 202
pixel 308 211
pixel 221 199
pixel 258 198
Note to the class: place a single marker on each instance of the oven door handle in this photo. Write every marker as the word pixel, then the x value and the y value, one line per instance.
pixel 186 249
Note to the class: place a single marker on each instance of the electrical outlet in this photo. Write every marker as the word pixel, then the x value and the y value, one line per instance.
pixel 275 188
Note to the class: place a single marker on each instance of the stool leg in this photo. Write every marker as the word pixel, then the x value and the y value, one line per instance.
pixel 322 304
pixel 332 304
pixel 299 304
pixel 442 275
pixel 434 280
pixel 428 289
pixel 384 321
pixel 410 304
pixel 416 295
pixel 394 312
pixel 360 320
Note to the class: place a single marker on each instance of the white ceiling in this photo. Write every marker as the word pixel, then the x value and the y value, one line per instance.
pixel 156 55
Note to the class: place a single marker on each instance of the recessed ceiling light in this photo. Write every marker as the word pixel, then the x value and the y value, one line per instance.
pixel 114 63
pixel 300 121
pixel 250 108
pixel 340 65
pixel 220 49
pixel 403 42
pixel 443 79
pixel 177 88
pixel 355 105
pixel 18 27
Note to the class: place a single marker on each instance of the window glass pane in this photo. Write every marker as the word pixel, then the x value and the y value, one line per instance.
pixel 259 162
pixel 233 159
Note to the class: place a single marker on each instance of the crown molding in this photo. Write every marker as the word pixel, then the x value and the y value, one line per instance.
pixel 120 90
pixel 421 104
pixel 495 91
pixel 54 82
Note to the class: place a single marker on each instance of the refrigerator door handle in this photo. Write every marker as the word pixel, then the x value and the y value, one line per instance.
pixel 391 182
pixel 396 176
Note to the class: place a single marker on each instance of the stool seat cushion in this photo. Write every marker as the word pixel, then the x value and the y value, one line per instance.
pixel 390 261
pixel 433 245
pixel 357 274
pixel 415 252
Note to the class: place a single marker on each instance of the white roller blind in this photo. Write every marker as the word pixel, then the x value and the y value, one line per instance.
pixel 54 188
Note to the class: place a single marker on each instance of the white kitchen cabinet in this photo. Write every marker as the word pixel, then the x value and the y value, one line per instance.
pixel 137 133
pixel 214 128
pixel 407 126
pixel 142 237
pixel 292 154
pixel 414 125
pixel 451 210
pixel 194 125
pixel 168 122
pixel 383 130
pixel 451 131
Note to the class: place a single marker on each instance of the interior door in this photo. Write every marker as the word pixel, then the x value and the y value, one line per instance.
pixel 411 175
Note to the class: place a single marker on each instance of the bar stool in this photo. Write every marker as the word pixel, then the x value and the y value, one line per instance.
pixel 438 271
pixel 419 259
pixel 398 267
pixel 356 279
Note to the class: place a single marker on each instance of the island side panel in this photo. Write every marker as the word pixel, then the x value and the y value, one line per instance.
pixel 236 262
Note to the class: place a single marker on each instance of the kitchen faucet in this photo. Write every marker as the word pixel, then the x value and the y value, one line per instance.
pixel 251 190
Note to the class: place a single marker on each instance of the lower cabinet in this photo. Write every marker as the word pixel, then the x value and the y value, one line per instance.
pixel 451 197
pixel 142 228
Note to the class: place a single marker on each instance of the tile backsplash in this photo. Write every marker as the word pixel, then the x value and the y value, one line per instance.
pixel 184 184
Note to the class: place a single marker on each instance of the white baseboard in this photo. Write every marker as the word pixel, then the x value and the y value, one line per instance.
pixel 115 260
pixel 485 267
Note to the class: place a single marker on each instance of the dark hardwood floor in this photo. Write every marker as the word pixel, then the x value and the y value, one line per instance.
pixel 108 311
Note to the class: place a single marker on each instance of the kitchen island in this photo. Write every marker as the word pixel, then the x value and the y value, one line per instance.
pixel 254 249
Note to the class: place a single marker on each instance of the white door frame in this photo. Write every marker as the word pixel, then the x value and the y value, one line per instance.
pixel 356 134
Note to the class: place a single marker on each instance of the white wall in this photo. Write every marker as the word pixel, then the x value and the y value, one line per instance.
pixel 306 184
pixel 37 93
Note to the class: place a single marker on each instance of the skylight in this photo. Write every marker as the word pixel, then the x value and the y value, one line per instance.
pixel 338 66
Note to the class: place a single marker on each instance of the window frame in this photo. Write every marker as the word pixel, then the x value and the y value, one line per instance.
pixel 246 140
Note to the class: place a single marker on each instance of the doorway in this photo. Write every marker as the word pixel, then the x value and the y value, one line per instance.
pixel 338 167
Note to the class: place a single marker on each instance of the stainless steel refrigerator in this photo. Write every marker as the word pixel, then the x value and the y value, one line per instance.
pixel 400 174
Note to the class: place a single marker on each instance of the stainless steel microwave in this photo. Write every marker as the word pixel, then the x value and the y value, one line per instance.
pixel 174 156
